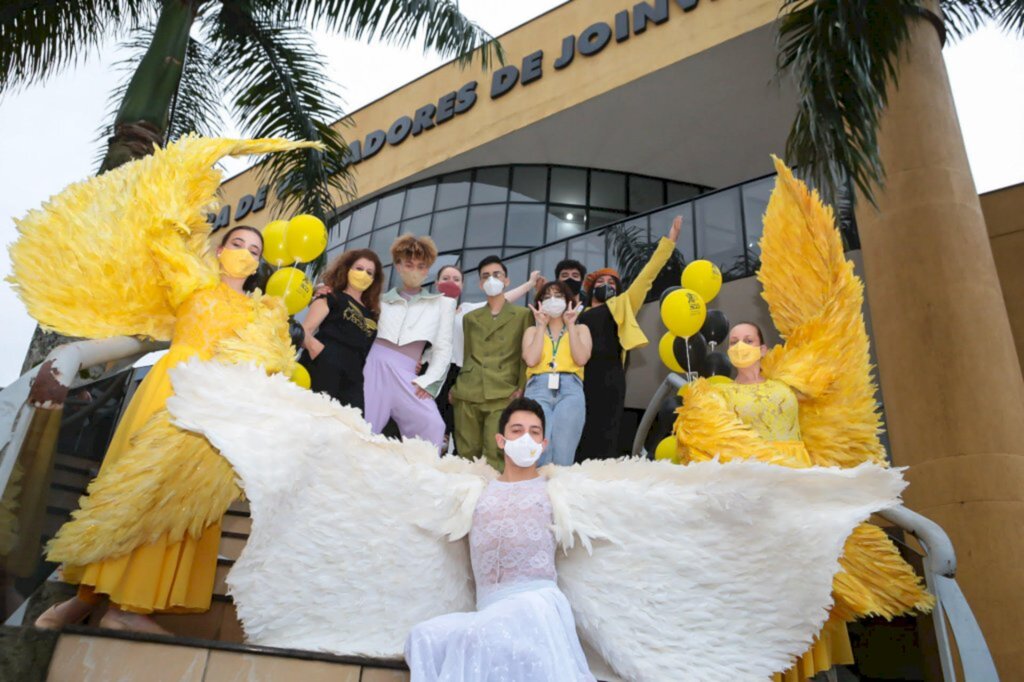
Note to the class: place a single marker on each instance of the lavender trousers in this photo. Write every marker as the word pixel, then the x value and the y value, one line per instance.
pixel 390 394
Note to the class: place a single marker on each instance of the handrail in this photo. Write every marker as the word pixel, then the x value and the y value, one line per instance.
pixel 951 607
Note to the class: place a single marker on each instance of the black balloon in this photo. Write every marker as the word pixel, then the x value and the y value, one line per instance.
pixel 716 327
pixel 296 331
pixel 690 353
pixel 666 293
pixel 717 364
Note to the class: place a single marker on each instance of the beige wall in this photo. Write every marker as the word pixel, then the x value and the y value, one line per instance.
pixel 1004 217
pixel 683 35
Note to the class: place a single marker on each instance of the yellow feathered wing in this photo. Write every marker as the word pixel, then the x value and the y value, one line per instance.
pixel 118 253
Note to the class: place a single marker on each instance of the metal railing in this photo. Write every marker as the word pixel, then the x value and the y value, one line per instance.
pixel 951 614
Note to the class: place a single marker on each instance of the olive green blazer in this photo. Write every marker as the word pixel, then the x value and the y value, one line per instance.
pixel 492 365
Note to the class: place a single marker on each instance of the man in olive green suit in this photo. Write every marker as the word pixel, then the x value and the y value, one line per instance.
pixel 493 371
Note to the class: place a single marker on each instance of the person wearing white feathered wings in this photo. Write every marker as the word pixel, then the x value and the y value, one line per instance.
pixel 671 573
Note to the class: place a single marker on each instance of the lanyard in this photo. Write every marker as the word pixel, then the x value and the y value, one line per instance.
pixel 554 344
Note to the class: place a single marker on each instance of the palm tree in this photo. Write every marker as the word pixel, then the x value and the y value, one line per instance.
pixel 257 55
pixel 843 56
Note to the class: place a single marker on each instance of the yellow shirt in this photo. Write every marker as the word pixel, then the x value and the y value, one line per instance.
pixel 563 358
pixel 770 408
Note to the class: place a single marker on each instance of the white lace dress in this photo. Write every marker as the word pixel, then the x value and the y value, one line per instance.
pixel 523 629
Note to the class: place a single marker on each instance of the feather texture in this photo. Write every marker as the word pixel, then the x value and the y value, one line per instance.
pixel 136 242
pixel 672 572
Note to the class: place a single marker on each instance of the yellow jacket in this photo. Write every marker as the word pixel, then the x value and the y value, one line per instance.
pixel 625 306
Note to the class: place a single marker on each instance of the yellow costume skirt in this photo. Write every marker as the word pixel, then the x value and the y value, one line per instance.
pixel 168 577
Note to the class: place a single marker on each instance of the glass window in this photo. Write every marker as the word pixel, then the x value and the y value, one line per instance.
pixel 639 224
pixel 755 202
pixel 339 232
pixel 529 183
pixel 518 272
pixel 486 225
pixel 444 260
pixel 565 221
pixel 417 226
pixel 389 209
pixel 680 191
pixel 589 250
pixel 608 190
pixel 545 260
pixel 380 242
pixel 362 219
pixel 453 190
pixel 661 222
pixel 597 218
pixel 569 186
pixel 449 229
pixel 386 279
pixel 525 225
pixel 419 199
pixel 471 292
pixel 491 185
pixel 359 242
pixel 471 258
pixel 645 194
pixel 719 233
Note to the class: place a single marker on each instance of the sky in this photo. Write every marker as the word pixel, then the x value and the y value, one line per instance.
pixel 48 132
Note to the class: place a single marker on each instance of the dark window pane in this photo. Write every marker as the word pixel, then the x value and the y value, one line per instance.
pixel 719 235
pixel 453 191
pixel 565 221
pixel 419 199
pixel 529 183
pixel 518 272
pixel 362 219
pixel 645 194
pixel 339 232
pixel 471 258
pixel 680 191
pixel 755 202
pixel 525 225
pixel 380 242
pixel 545 260
pixel 661 222
pixel 448 229
pixel 608 190
pixel 589 250
pixel 389 209
pixel 568 186
pixel 597 218
pixel 359 242
pixel 471 284
pixel 417 226
pixel 491 185
pixel 486 225
pixel 510 251
pixel 640 224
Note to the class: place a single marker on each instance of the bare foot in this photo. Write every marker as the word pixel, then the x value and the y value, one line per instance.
pixel 116 619
pixel 68 612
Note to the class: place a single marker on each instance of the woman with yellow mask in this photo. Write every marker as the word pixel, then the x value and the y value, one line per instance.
pixel 807 402
pixel 147 534
pixel 341 325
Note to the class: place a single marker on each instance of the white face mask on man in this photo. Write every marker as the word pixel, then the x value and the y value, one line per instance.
pixel 523 451
pixel 493 286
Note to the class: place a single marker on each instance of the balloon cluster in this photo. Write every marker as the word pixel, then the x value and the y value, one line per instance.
pixel 285 243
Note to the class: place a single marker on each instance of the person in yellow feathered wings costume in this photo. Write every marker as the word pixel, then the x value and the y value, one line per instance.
pixel 808 402
pixel 128 253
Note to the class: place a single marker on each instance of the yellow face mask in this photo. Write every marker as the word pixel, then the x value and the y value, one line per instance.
pixel 744 355
pixel 237 263
pixel 360 280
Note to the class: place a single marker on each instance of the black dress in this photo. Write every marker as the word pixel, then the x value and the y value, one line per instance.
pixel 604 387
pixel 347 333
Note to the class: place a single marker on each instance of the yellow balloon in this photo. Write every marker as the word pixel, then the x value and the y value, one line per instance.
pixel 291 285
pixel 301 377
pixel 718 379
pixel 275 245
pixel 668 449
pixel 704 277
pixel 683 312
pixel 307 237
pixel 668 358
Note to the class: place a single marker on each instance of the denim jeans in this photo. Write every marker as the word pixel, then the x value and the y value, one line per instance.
pixel 564 414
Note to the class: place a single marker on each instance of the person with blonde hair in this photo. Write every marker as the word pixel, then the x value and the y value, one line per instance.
pixel 410 318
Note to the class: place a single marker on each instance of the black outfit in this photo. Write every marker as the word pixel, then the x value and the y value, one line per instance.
pixel 604 387
pixel 446 409
pixel 347 333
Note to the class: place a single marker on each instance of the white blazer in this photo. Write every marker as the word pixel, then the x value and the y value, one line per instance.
pixel 425 317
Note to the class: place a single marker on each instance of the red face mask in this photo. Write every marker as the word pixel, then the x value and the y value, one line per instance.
pixel 449 289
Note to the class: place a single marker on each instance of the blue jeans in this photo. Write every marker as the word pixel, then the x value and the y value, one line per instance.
pixel 564 413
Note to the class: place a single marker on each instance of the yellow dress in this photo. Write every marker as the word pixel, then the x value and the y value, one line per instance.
pixel 128 253
pixel 815 301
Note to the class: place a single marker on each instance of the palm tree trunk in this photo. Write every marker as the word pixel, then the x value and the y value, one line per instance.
pixel 950 374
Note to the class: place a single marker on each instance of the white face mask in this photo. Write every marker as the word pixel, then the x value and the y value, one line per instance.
pixel 523 451
pixel 553 307
pixel 493 286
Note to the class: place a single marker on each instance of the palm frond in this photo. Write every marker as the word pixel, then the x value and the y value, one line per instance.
pixel 632 251
pixel 1010 15
pixel 278 89
pixel 438 23
pixel 962 17
pixel 39 39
